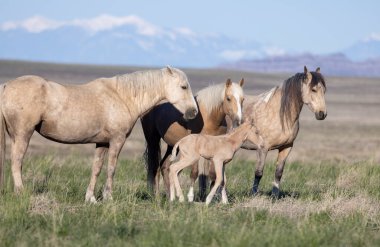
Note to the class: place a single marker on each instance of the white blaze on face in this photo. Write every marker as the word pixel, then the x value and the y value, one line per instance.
pixel 238 96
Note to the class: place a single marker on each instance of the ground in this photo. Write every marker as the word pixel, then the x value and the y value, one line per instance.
pixel 331 188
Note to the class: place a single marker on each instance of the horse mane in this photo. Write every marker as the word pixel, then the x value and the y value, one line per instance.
pixel 211 97
pixel 139 81
pixel 291 98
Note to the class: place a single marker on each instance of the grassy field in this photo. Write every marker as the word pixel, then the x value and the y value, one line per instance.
pixel 331 184
pixel 327 204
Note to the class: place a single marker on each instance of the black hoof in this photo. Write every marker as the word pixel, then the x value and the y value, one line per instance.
pixel 254 191
pixel 275 193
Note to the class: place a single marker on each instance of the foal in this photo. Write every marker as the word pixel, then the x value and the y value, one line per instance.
pixel 219 149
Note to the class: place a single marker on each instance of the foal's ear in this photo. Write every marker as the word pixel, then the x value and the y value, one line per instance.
pixel 305 70
pixel 241 83
pixel 318 70
pixel 169 69
pixel 228 82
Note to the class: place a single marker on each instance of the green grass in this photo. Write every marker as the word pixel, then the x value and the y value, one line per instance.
pixel 329 204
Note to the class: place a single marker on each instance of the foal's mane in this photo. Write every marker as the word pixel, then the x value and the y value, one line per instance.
pixel 211 97
pixel 291 98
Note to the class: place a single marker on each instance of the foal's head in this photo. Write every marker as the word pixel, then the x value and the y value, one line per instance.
pixel 233 101
pixel 313 93
pixel 178 92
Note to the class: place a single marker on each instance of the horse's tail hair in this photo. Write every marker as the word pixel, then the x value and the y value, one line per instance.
pixel 2 138
pixel 174 152
pixel 152 154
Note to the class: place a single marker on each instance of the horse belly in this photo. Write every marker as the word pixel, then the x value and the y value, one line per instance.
pixel 72 131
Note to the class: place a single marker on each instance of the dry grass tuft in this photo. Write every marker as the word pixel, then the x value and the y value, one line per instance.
pixel 341 206
pixel 43 204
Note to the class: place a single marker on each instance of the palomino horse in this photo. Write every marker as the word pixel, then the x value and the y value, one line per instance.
pixel 164 121
pixel 276 117
pixel 219 149
pixel 102 111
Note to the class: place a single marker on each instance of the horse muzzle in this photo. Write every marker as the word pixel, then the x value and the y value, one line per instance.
pixel 190 113
pixel 320 115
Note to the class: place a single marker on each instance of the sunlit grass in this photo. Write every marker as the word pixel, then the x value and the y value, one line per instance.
pixel 325 204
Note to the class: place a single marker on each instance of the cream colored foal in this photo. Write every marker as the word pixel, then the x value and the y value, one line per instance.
pixel 219 149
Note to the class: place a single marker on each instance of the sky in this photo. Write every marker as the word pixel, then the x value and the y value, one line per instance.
pixel 300 26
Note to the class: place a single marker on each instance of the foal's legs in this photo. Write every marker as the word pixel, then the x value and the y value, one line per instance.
pixel 261 156
pixel 113 154
pixel 219 177
pixel 20 142
pixel 175 168
pixel 283 154
pixel 97 165
pixel 224 192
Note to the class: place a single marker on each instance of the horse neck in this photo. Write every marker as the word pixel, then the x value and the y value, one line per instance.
pixel 237 136
pixel 214 118
pixel 295 111
pixel 141 91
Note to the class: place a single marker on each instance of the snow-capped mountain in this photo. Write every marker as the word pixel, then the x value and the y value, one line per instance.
pixel 121 40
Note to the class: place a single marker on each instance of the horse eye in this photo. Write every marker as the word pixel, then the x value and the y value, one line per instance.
pixel 314 90
pixel 184 87
pixel 228 99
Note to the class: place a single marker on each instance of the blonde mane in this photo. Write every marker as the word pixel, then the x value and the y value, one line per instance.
pixel 139 81
pixel 211 97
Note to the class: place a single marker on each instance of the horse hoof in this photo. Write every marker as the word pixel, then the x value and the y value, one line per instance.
pixel 91 200
pixel 275 193
pixel 107 196
pixel 190 198
pixel 181 199
pixel 255 192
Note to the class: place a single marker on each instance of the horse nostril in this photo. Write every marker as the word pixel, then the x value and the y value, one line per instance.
pixel 191 113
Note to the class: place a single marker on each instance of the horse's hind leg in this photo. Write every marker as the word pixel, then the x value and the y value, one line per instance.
pixel 113 154
pixel 175 168
pixel 164 167
pixel 193 178
pixel 281 159
pixel 97 165
pixel 19 146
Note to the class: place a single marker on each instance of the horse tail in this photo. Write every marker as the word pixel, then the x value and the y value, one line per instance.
pixel 174 152
pixel 2 138
pixel 203 173
pixel 152 154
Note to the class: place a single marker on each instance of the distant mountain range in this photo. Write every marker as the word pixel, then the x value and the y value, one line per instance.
pixel 131 40
pixel 334 64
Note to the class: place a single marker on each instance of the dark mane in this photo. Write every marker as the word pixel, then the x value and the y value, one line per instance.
pixel 291 98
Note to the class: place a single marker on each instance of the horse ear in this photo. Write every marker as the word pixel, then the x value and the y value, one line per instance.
pixel 318 70
pixel 308 75
pixel 241 83
pixel 228 82
pixel 169 69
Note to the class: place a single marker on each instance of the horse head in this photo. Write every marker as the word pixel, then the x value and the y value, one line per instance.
pixel 178 92
pixel 313 93
pixel 233 101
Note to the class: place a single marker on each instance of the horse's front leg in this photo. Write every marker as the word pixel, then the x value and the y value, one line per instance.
pixel 97 165
pixel 218 181
pixel 283 154
pixel 113 154
pixel 261 156
pixel 224 183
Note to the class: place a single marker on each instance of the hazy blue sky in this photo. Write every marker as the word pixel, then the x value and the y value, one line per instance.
pixel 317 26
